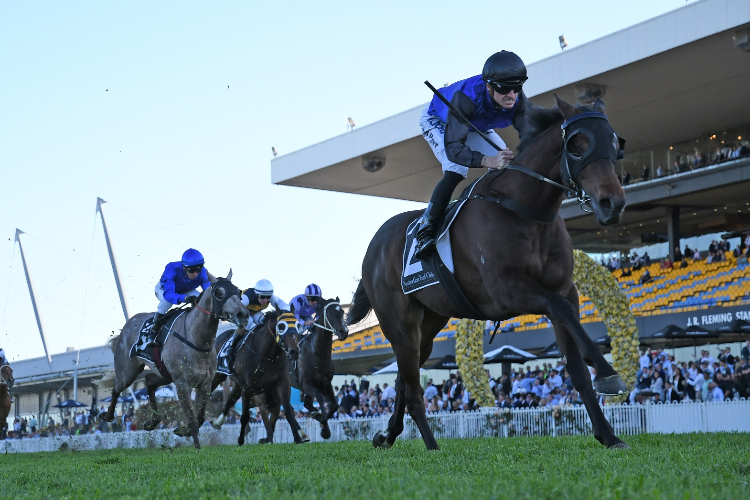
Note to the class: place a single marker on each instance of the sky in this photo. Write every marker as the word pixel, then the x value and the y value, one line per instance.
pixel 168 111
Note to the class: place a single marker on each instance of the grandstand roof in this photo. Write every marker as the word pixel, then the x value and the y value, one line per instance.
pixel 668 79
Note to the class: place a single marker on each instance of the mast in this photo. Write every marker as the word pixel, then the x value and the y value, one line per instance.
pixel 33 296
pixel 113 260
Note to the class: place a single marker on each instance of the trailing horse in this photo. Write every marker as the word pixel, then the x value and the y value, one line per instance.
pixel 188 356
pixel 6 382
pixel 512 255
pixel 261 368
pixel 313 371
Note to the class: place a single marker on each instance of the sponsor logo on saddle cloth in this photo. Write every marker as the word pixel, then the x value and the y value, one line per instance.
pixel 166 328
pixel 418 273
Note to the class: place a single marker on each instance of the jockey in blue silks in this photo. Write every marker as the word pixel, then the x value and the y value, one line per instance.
pixel 178 284
pixel 304 304
pixel 494 99
pixel 256 300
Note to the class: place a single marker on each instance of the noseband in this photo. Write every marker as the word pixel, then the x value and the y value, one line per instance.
pixel 326 323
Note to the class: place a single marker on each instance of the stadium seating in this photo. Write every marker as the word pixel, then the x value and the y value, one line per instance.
pixel 697 286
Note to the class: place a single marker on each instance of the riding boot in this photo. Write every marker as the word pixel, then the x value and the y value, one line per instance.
pixel 154 331
pixel 434 212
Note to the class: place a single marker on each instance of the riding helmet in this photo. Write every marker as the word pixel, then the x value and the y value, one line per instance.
pixel 264 287
pixel 192 257
pixel 313 290
pixel 504 67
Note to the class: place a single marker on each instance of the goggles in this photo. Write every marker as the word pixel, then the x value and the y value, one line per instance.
pixel 505 88
pixel 193 269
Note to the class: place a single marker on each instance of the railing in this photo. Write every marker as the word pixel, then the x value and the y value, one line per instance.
pixel 627 420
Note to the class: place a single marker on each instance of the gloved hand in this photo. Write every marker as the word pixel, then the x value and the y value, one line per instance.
pixel 500 161
pixel 191 299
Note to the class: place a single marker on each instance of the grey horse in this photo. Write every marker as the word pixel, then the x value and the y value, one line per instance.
pixel 188 354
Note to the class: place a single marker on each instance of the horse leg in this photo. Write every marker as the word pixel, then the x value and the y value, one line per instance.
pixel 228 404
pixel 183 393
pixel 535 298
pixel 324 414
pixel 284 394
pixel 201 400
pixel 245 418
pixel 270 414
pixel 153 382
pixel 579 375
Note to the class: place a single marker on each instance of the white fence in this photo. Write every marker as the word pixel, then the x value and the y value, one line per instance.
pixel 627 420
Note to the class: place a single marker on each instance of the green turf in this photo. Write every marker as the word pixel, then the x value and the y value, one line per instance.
pixel 697 466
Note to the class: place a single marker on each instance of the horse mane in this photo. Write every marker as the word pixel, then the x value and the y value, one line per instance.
pixel 539 120
pixel 111 342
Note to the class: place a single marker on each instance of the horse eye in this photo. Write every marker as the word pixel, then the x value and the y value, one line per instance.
pixel 220 293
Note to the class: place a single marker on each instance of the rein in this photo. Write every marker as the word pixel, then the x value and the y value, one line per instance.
pixel 327 324
pixel 263 358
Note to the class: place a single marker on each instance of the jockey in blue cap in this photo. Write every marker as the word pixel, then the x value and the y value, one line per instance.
pixel 304 304
pixel 494 99
pixel 256 300
pixel 178 285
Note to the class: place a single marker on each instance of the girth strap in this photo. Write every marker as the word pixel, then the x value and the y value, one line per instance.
pixel 189 344
pixel 519 208
pixel 454 291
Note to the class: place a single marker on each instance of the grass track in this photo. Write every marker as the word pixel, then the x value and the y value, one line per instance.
pixel 695 466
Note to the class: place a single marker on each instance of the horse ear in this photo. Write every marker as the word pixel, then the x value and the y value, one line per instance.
pixel 566 109
pixel 229 276
pixel 599 106
pixel 211 277
pixel 337 298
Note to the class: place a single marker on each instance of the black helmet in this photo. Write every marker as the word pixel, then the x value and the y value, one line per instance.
pixel 504 68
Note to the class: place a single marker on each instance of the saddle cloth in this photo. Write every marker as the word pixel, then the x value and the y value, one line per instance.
pixel 421 273
pixel 166 329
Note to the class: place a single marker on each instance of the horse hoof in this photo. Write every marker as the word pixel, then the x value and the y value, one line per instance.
pixel 618 446
pixel 316 415
pixel 610 386
pixel 303 437
pixel 381 440
pixel 215 425
pixel 325 433
pixel 263 441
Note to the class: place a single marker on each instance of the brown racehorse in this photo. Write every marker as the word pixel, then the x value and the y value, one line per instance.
pixel 6 382
pixel 507 263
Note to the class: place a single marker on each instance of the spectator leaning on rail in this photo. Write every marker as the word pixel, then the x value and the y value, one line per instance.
pixel 178 284
pixel 491 100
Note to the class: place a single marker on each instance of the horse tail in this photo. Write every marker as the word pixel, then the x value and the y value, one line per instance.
pixel 360 306
pixel 111 342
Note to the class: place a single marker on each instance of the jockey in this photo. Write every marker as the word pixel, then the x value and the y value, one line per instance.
pixel 178 285
pixel 494 99
pixel 304 304
pixel 256 300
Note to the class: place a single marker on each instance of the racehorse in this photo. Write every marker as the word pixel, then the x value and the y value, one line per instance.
pixel 508 261
pixel 314 370
pixel 261 368
pixel 187 354
pixel 6 382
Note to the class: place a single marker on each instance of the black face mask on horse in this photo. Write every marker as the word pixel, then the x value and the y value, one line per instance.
pixel 591 125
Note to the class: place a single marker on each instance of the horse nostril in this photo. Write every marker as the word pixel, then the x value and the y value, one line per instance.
pixel 606 204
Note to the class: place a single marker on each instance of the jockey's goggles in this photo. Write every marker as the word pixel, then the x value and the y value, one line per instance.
pixel 311 298
pixel 193 269
pixel 505 88
pixel 267 297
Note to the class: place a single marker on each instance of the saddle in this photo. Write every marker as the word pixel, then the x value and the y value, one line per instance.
pixel 153 353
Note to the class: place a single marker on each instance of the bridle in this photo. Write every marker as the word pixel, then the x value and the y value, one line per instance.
pixel 220 296
pixel 326 322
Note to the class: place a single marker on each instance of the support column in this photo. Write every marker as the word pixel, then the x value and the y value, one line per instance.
pixel 673 231
pixel 33 296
